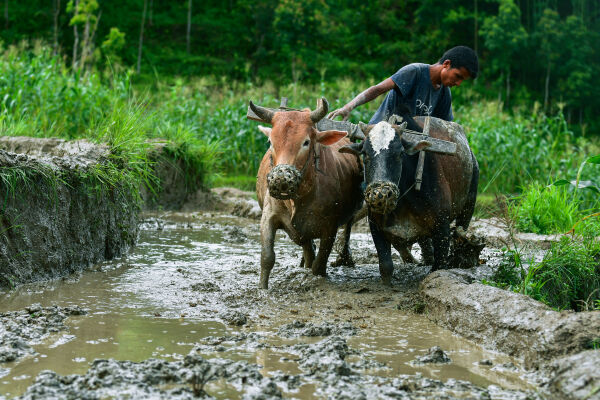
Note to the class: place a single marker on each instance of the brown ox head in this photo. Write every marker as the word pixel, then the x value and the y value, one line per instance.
pixel 294 146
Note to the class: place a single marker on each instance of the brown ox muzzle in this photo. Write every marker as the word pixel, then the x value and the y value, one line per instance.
pixel 382 197
pixel 284 181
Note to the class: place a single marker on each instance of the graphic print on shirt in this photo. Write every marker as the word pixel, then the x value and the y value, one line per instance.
pixel 425 109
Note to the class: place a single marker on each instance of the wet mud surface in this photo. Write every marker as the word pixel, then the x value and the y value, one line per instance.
pixel 182 317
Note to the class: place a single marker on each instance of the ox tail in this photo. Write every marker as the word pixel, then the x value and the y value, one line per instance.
pixel 464 217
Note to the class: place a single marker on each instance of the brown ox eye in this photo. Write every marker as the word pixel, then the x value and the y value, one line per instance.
pixel 306 143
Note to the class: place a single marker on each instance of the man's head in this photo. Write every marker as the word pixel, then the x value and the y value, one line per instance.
pixel 459 63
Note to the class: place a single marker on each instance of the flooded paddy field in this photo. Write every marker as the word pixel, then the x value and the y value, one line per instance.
pixel 182 317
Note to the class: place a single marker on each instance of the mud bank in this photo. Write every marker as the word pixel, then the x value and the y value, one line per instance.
pixel 519 326
pixel 56 217
pixel 323 365
pixel 20 330
pixel 179 185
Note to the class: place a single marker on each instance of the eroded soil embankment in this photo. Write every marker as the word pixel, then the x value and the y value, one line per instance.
pixel 560 342
pixel 55 216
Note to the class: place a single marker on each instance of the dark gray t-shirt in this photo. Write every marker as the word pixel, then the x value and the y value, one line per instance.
pixel 414 89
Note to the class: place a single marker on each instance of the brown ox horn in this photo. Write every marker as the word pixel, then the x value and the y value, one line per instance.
pixel 321 111
pixel 264 113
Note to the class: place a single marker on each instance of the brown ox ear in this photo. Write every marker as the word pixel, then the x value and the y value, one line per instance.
pixel 353 148
pixel 330 137
pixel 265 130
pixel 412 148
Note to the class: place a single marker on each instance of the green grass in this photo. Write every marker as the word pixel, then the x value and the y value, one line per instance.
pixel 568 277
pixel 545 209
pixel 242 182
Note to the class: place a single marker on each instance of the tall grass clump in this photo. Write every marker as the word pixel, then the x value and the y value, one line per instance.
pixel 561 206
pixel 568 277
pixel 41 97
pixel 545 209
pixel 516 149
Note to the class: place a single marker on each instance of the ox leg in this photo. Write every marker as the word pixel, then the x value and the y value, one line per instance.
pixel 319 266
pixel 404 248
pixel 267 253
pixel 464 217
pixel 345 256
pixel 426 251
pixel 308 254
pixel 441 246
pixel 384 253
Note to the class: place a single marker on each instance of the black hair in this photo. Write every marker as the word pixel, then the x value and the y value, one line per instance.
pixel 462 56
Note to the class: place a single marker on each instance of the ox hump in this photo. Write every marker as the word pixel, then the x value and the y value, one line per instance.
pixel 381 136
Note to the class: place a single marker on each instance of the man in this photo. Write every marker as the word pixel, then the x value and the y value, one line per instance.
pixel 423 88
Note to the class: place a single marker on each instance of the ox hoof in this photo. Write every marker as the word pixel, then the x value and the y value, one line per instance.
pixel 386 280
pixel 344 262
pixel 263 284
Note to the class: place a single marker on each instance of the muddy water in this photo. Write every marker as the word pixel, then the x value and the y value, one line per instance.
pixel 191 283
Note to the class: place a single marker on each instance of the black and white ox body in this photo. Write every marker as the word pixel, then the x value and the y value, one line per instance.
pixel 400 215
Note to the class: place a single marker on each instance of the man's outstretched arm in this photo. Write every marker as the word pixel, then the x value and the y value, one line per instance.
pixel 364 97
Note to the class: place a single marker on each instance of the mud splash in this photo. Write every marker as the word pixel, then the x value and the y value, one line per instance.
pixel 182 316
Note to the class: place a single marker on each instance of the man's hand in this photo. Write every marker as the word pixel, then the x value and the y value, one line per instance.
pixel 344 112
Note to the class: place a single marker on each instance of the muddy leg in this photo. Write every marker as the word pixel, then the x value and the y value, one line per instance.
pixel 403 248
pixel 308 254
pixel 441 244
pixel 426 251
pixel 345 256
pixel 267 254
pixel 319 266
pixel 464 217
pixel 384 253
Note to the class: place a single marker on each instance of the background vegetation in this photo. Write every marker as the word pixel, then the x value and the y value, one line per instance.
pixel 544 50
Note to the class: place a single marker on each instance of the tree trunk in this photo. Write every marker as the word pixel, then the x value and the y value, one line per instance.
pixel 547 86
pixel 189 27
pixel 500 90
pixel 507 86
pixel 75 37
pixel 85 43
pixel 139 57
pixel 56 13
pixel 475 28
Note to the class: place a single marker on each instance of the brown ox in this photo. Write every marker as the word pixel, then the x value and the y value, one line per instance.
pixel 304 185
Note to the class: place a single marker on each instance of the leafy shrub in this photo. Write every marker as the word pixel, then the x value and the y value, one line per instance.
pixel 545 209
pixel 567 278
pixel 570 274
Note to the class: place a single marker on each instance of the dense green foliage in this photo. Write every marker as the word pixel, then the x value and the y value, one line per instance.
pixel 205 116
pixel 562 206
pixel 568 277
pixel 41 97
pixel 545 209
pixel 544 50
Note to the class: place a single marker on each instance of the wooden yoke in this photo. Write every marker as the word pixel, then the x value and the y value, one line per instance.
pixel 354 131
pixel 419 174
